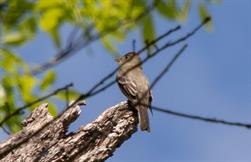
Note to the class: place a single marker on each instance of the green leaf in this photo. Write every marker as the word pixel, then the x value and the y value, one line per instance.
pixel 119 35
pixel 184 10
pixel 50 22
pixel 108 45
pixel 8 84
pixel 48 80
pixel 72 94
pixel 14 124
pixel 45 4
pixel 148 32
pixel 15 38
pixel 9 61
pixel 203 14
pixel 168 10
pixel 148 29
pixel 29 25
pixel 2 95
pixel 56 37
pixel 14 13
pixel 26 84
pixel 51 19
pixel 52 109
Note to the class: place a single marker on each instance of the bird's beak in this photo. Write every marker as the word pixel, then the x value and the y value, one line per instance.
pixel 117 59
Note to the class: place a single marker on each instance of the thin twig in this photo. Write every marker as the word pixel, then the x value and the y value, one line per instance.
pixel 169 44
pixel 200 118
pixel 102 81
pixel 189 116
pixel 18 110
pixel 150 43
pixel 93 90
pixel 162 73
pixel 72 36
pixel 167 68
pixel 206 20
pixel 67 97
pixel 73 47
pixel 114 81
pixel 6 130
pixel 134 45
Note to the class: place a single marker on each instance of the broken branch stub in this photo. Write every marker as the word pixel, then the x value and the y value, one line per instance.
pixel 44 138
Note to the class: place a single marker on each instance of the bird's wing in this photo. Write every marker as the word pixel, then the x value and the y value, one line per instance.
pixel 128 87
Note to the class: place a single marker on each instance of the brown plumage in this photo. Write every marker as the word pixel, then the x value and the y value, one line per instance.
pixel 134 85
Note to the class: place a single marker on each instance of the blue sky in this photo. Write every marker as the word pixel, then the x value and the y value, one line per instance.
pixel 211 79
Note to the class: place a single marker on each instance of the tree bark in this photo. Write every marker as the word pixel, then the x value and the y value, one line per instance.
pixel 46 139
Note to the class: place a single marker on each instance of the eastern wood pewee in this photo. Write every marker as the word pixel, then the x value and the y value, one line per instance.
pixel 134 85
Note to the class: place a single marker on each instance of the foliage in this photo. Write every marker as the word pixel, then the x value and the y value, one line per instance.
pixel 21 20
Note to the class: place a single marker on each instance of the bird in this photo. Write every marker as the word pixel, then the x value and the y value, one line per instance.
pixel 134 85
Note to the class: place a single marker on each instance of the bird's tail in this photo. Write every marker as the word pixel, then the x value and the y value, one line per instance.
pixel 143 118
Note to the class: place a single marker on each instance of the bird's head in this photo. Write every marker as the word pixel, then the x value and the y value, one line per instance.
pixel 130 59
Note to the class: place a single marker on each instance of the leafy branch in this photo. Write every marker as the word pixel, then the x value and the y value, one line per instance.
pixel 93 91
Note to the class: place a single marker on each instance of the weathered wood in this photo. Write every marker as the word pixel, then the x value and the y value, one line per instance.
pixel 44 138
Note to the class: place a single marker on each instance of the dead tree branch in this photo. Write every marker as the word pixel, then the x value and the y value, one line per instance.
pixel 46 139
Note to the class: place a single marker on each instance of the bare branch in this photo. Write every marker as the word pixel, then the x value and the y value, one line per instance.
pixel 169 44
pixel 18 110
pixel 200 118
pixel 102 81
pixel 163 72
pixel 5 130
pixel 79 43
pixel 93 90
pixel 153 42
pixel 169 65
